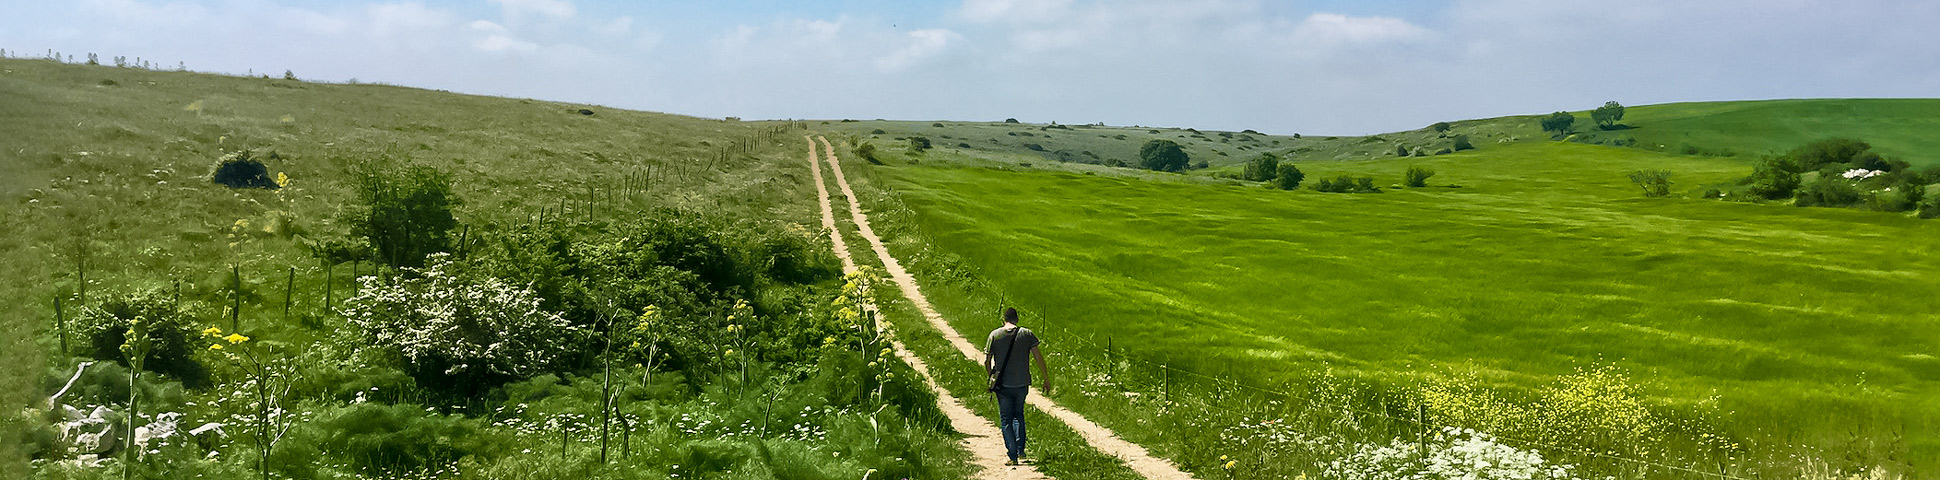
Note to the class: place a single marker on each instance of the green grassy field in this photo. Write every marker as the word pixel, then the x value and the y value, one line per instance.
pixel 107 170
pixel 1519 263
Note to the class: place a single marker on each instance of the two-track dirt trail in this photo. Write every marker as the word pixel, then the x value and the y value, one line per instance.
pixel 1134 456
pixel 983 441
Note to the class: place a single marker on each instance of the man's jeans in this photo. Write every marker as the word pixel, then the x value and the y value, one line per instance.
pixel 1010 418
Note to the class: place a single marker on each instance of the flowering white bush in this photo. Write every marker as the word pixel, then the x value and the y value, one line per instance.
pixel 1861 173
pixel 444 321
pixel 1455 453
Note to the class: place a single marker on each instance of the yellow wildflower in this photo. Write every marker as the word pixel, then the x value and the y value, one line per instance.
pixel 215 346
pixel 212 332
pixel 234 338
pixel 1231 463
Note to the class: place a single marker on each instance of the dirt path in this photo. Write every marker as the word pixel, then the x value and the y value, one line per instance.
pixel 1099 437
pixel 983 441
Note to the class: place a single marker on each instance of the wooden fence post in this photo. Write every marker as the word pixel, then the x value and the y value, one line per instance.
pixel 289 294
pixel 60 323
pixel 235 293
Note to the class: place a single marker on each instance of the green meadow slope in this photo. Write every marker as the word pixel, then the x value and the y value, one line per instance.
pixel 1800 329
pixel 108 171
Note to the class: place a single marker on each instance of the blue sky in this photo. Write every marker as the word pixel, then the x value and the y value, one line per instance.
pixel 1315 67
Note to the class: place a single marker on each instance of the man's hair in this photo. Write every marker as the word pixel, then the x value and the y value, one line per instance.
pixel 1010 315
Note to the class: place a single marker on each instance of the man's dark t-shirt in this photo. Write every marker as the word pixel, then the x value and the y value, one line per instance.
pixel 1017 372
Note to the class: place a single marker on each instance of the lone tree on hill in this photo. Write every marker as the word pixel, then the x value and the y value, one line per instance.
pixel 1262 168
pixel 1606 116
pixel 1163 155
pixel 1440 127
pixel 1559 122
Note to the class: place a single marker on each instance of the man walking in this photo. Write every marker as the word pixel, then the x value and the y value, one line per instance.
pixel 1010 378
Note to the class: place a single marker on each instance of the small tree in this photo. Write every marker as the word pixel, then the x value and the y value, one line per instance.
pixel 1461 143
pixel 1163 155
pixel 1261 168
pixel 919 144
pixel 1559 122
pixel 867 152
pixel 1400 150
pixel 1656 183
pixel 289 75
pixel 1416 176
pixel 1288 177
pixel 1606 116
pixel 1440 127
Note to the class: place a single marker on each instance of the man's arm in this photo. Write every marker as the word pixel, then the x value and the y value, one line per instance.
pixel 988 358
pixel 1042 370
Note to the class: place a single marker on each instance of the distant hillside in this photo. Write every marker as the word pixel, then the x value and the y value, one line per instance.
pixel 1895 127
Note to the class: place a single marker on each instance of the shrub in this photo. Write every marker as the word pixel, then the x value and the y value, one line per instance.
pixel 1656 183
pixel 1930 207
pixel 1347 184
pixel 1818 154
pixel 1461 143
pixel 1261 168
pixel 242 170
pixel 867 151
pixel 1010 120
pixel 171 335
pixel 458 331
pixel 406 214
pixel 1288 177
pixel 1034 147
pixel 1440 127
pixel 1400 150
pixel 937 125
pixel 1444 151
pixel 1163 155
pixel 1559 122
pixel 919 143
pixel 963 145
pixel 1201 165
pixel 1772 179
pixel 1416 176
pixel 1830 191
pixel 877 132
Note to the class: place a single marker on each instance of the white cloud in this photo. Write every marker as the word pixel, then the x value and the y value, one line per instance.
pixel 1333 30
pixel 556 9
pixel 923 44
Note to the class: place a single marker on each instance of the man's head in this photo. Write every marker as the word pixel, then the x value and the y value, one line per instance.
pixel 1010 315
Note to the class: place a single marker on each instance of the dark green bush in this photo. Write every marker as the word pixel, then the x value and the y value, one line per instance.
pixel 1772 179
pixel 172 336
pixel 406 212
pixel 1461 143
pixel 1261 168
pixel 1347 184
pixel 242 170
pixel 1828 192
pixel 877 132
pixel 919 143
pixel 1163 155
pixel 1416 176
pixel 1288 177
pixel 867 152
pixel 1930 207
